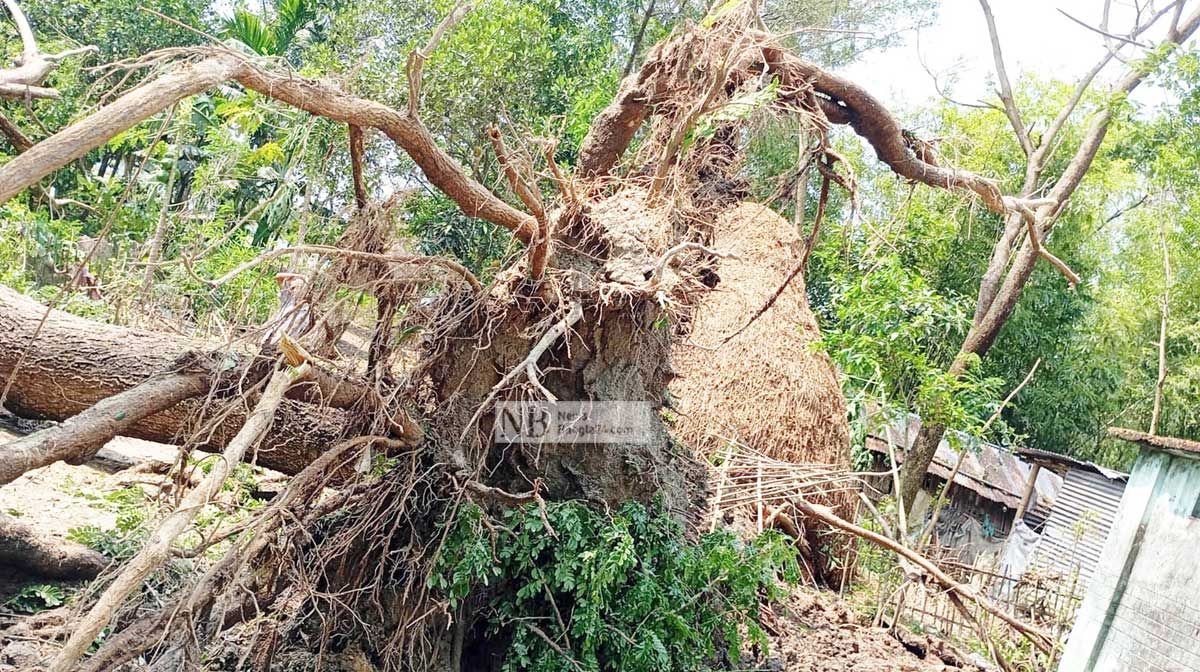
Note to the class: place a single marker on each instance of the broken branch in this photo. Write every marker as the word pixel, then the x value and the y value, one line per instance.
pixel 826 515
pixel 158 549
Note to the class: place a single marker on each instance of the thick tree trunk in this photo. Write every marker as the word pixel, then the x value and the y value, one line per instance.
pixel 75 363
pixel 78 438
pixel 31 551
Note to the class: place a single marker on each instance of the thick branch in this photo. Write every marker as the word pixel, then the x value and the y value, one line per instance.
pixel 76 440
pixel 404 129
pixel 845 102
pixel 317 98
pixel 139 104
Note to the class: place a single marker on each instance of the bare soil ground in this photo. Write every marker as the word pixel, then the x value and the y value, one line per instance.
pixel 814 631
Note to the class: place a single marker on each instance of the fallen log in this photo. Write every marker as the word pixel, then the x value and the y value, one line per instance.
pixel 66 365
pixel 31 551
pixel 80 437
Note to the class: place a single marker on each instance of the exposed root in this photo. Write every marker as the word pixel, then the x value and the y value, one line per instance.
pixel 158 548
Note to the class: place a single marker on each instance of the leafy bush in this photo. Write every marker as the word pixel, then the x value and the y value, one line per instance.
pixel 35 598
pixel 620 593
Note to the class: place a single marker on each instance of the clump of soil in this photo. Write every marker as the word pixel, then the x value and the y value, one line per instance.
pixel 813 631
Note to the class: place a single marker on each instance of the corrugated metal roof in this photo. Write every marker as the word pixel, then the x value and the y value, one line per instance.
pixel 988 470
pixel 1078 525
pixel 1061 463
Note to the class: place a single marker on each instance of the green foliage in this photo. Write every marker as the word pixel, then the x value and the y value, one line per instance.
pixel 272 36
pixel 123 540
pixel 442 228
pixel 35 598
pixel 626 593
pixel 892 336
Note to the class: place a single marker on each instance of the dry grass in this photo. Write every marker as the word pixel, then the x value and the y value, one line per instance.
pixel 768 387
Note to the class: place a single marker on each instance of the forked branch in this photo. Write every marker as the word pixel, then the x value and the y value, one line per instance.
pixel 532 198
pixel 33 66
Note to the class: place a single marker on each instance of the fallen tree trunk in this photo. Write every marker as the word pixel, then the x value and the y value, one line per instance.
pixel 78 438
pixel 74 364
pixel 25 548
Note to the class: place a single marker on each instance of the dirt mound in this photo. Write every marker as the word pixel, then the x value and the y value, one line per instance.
pixel 815 632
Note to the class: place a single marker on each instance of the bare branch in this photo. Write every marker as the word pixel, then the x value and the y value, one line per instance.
pixel 29 46
pixel 566 185
pixel 826 515
pixel 1160 383
pixel 33 66
pixel 529 195
pixel 417 58
pixel 1006 93
pixel 1104 32
pixel 1032 223
pixel 1082 85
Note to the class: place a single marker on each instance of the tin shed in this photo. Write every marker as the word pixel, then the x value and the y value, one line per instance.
pixel 1141 611
pixel 1083 513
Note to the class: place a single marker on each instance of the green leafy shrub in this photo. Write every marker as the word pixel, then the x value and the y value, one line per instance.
pixel 35 598
pixel 620 593
pixel 123 540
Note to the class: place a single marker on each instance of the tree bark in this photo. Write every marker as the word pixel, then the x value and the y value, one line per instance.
pixel 27 549
pixel 78 438
pixel 75 363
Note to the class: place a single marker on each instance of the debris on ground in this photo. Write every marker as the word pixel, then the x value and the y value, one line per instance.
pixel 815 631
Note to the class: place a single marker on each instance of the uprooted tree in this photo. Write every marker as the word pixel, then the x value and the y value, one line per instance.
pixel 646 272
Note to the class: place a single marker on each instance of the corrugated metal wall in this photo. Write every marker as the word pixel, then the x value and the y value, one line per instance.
pixel 1075 533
